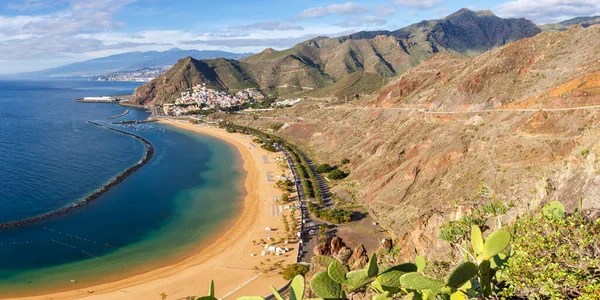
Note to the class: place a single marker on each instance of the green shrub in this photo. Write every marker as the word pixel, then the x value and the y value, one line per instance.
pixel 334 215
pixel 553 257
pixel 345 161
pixel 324 168
pixel 455 230
pixel 275 127
pixel 336 174
pixel 269 147
pixel 290 271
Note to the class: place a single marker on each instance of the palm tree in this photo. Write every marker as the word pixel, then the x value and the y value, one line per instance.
pixel 163 296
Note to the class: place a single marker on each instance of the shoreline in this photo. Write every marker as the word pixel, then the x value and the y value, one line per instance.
pixel 224 257
pixel 95 194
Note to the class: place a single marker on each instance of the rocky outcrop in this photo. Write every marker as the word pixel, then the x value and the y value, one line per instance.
pixel 344 255
pixel 336 245
pixel 322 249
pixel 359 258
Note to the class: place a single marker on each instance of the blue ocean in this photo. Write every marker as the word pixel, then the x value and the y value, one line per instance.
pixel 50 158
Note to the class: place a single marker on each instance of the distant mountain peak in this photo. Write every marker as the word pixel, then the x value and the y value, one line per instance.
pixel 471 13
pixel 174 50
pixel 268 51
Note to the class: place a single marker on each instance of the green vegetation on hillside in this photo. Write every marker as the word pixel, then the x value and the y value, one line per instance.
pixel 554 256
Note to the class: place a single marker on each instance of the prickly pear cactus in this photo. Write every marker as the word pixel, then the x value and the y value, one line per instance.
pixel 324 287
pixel 383 296
pixel 276 293
pixel 420 263
pixel 495 243
pixel 297 288
pixel 462 274
pixel 373 269
pixel 476 240
pixel 337 272
pixel 211 292
pixel 416 281
pixel 357 279
pixel 391 276
pixel 485 278
pixel 554 209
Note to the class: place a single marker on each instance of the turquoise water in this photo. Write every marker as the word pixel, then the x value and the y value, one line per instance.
pixel 50 158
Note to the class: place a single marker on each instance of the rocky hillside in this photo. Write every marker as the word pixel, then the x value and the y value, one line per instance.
pixel 317 66
pixel 519 124
pixel 564 25
pixel 216 73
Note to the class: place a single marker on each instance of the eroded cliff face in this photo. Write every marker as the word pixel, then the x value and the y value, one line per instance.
pixel 421 146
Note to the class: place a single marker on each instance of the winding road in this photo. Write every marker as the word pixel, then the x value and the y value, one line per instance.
pixel 465 111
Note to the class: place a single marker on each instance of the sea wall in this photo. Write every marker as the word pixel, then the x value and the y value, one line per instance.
pixel 97 193
pixel 119 115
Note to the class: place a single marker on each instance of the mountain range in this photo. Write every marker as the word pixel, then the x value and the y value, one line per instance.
pixel 343 66
pixel 516 125
pixel 130 61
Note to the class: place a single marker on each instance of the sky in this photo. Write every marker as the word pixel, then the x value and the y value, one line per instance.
pixel 40 34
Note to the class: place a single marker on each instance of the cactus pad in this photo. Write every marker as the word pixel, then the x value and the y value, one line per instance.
pixel 325 287
pixel 462 274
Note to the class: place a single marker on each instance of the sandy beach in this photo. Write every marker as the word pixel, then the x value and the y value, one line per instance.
pixel 231 258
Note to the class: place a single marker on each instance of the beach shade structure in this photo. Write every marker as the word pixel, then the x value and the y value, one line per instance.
pixel 268 229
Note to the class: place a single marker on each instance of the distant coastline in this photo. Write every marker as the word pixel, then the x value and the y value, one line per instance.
pixel 97 193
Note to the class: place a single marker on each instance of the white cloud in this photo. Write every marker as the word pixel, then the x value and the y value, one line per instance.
pixel 35 4
pixel 268 26
pixel 547 11
pixel 348 8
pixel 362 21
pixel 63 32
pixel 419 4
pixel 385 10
pixel 51 48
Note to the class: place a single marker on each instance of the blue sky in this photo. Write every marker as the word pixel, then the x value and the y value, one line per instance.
pixel 38 34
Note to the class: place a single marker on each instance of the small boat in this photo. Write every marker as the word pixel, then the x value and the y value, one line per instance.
pixel 73 280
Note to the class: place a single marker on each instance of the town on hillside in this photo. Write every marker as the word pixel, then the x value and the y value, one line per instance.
pixel 203 100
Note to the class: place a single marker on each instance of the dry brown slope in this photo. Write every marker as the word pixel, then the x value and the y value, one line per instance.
pixel 528 73
pixel 416 169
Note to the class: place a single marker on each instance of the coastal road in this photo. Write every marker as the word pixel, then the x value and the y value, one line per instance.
pixel 321 184
pixel 426 111
pixel 309 241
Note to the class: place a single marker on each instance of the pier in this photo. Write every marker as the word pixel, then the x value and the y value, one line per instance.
pixel 97 193
pixel 119 115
